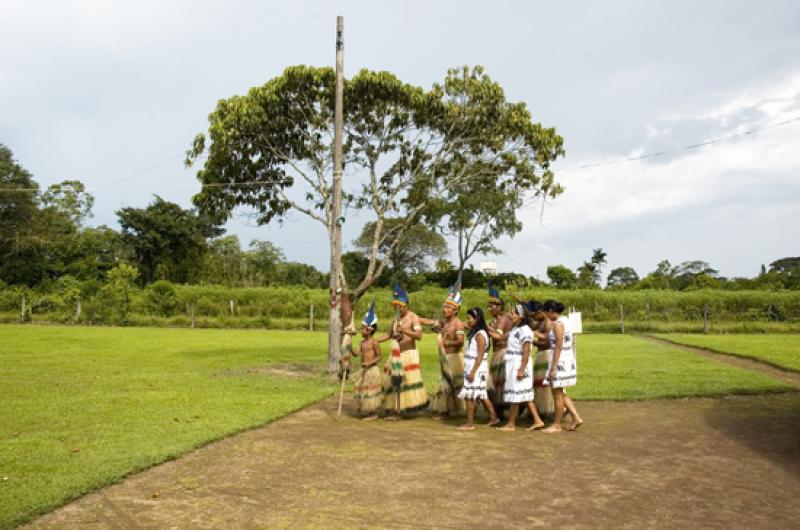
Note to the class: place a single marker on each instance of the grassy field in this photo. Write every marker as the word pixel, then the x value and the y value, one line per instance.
pixel 624 367
pixel 782 351
pixel 84 406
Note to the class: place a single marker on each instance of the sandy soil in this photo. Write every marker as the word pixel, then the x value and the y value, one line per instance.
pixel 711 463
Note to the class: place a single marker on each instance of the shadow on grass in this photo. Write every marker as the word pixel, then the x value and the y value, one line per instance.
pixel 768 425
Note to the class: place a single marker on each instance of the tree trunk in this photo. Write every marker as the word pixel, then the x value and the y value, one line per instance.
pixel 335 220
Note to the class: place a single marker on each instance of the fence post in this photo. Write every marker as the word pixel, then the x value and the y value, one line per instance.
pixel 311 317
pixel 231 304
pixel 22 312
pixel 621 319
pixel 705 318
pixel 192 313
pixel 78 310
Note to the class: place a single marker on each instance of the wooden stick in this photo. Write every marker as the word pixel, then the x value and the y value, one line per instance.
pixel 341 392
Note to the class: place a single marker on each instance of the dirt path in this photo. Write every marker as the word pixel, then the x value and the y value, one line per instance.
pixel 789 377
pixel 711 463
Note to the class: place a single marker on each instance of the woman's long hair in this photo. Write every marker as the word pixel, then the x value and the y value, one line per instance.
pixel 480 323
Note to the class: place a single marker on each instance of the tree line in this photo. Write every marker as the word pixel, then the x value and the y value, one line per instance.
pixel 44 239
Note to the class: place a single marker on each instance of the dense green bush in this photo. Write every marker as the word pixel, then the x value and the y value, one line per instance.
pixel 289 307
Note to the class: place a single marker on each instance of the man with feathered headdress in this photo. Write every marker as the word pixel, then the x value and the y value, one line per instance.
pixel 402 378
pixel 368 392
pixel 499 328
pixel 451 356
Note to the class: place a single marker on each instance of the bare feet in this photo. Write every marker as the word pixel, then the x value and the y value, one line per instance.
pixel 370 417
pixel 536 426
pixel 392 417
pixel 493 422
pixel 466 427
pixel 552 429
pixel 506 428
pixel 575 424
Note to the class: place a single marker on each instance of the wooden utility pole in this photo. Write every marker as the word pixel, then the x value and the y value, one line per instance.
pixel 336 219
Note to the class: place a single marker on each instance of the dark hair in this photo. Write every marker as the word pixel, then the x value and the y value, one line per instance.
pixel 552 305
pixel 534 306
pixel 480 322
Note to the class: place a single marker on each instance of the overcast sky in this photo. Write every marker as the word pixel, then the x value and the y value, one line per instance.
pixel 101 91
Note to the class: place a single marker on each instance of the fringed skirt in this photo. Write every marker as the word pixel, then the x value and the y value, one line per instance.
pixel 368 391
pixel 518 390
pixel 411 389
pixel 566 369
pixel 541 394
pixel 497 377
pixel 477 388
pixel 445 399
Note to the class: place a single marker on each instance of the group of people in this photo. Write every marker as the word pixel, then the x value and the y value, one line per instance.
pixel 521 359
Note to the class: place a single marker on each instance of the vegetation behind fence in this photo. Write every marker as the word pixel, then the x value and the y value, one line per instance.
pixel 297 307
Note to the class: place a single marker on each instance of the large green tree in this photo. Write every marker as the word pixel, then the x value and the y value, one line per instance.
pixel 167 241
pixel 405 152
pixel 19 242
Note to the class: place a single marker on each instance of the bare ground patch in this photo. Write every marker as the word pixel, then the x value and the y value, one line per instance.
pixel 290 370
pixel 712 463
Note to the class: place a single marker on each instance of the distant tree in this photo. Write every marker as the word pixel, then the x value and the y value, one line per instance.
pixel 763 269
pixel 294 273
pixel 785 271
pixel 262 260
pixel 661 278
pixel 70 200
pixel 693 274
pixel 785 266
pixel 167 241
pixel 443 265
pixel 412 251
pixel 223 261
pixel 599 258
pixel 622 277
pixel 587 275
pixel 562 277
pixel 19 241
pixel 96 251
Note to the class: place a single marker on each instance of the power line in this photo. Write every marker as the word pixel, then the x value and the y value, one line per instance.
pixel 748 132
pixel 684 148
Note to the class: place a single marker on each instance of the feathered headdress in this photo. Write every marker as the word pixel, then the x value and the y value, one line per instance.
pixel 494 294
pixel 370 318
pixel 454 296
pixel 399 295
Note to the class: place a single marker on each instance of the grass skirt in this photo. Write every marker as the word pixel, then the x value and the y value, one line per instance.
pixel 497 377
pixel 542 395
pixel 445 399
pixel 368 391
pixel 411 389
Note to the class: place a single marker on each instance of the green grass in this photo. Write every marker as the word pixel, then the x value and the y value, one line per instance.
pixel 623 367
pixel 782 351
pixel 83 407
